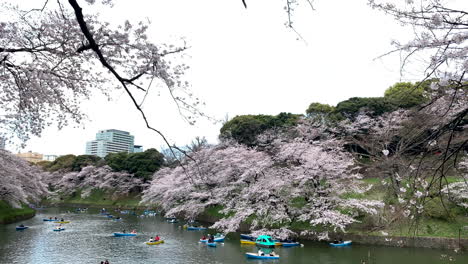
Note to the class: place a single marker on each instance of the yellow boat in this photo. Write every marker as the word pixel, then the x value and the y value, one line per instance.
pixel 155 242
pixel 62 222
pixel 247 242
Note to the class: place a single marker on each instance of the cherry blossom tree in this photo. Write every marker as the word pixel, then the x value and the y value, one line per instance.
pixel 49 58
pixel 414 151
pixel 20 182
pixel 93 178
pixel 292 179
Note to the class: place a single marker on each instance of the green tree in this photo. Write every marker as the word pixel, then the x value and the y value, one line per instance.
pixel 117 161
pixel 62 163
pixel 406 94
pixel 144 164
pixel 244 129
pixel 374 105
pixel 318 108
pixel 82 161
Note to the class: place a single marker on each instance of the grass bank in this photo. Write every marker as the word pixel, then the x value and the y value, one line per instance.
pixel 9 214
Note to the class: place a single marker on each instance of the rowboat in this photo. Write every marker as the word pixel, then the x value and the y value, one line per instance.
pixel 256 256
pixel 22 227
pixel 290 244
pixel 247 242
pixel 195 228
pixel 49 220
pixel 62 222
pixel 59 229
pixel 266 241
pixel 342 244
pixel 213 244
pixel 155 242
pixel 124 234
pixel 247 237
pixel 216 239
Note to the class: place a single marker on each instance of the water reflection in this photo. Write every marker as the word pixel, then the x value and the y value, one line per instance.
pixel 88 239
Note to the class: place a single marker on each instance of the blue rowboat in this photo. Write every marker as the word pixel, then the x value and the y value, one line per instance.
pixel 342 244
pixel 124 234
pixel 22 227
pixel 247 237
pixel 290 244
pixel 217 239
pixel 59 229
pixel 194 228
pixel 211 244
pixel 49 220
pixel 256 256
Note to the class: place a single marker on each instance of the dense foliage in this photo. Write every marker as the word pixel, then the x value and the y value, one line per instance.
pixel 142 164
pixel 407 95
pixel 71 162
pixel 244 129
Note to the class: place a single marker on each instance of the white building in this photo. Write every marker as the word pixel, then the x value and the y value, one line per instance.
pixel 49 157
pixel 110 141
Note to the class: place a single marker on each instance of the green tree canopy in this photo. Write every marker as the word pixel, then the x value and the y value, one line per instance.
pixel 142 164
pixel 61 163
pixel 117 161
pixel 318 108
pixel 375 105
pixel 406 94
pixel 82 161
pixel 245 128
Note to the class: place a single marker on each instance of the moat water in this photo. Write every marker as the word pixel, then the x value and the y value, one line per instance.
pixel 89 239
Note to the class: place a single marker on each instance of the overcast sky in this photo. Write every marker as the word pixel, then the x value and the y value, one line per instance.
pixel 245 61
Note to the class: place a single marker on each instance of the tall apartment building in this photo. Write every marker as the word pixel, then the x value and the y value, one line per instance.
pixel 110 141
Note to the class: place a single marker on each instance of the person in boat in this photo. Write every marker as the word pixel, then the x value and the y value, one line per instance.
pixel 21 225
pixel 151 239
pixel 106 262
pixel 210 239
pixel 117 218
pixel 61 220
pixel 124 231
pixel 260 252
pixel 203 237
pixel 272 253
pixel 157 238
pixel 133 231
pixel 50 218
pixel 56 218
